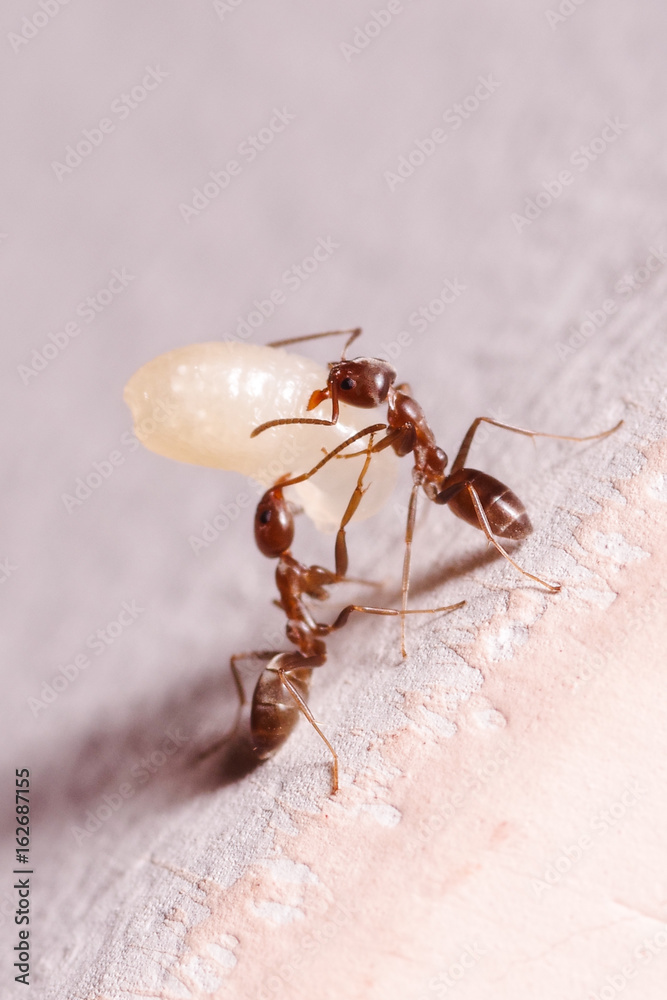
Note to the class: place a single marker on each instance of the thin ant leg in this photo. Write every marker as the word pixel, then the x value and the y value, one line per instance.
pixel 294 661
pixel 293 420
pixel 462 455
pixel 486 528
pixel 394 612
pixel 387 440
pixel 218 745
pixel 393 437
pixel 341 544
pixel 309 715
pixel 284 421
pixel 354 333
pixel 370 430
pixel 263 654
pixel 390 438
pixel 355 500
pixel 405 580
pixel 353 454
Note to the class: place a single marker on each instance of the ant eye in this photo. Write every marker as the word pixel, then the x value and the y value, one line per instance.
pixel 348 383
pixel 265 516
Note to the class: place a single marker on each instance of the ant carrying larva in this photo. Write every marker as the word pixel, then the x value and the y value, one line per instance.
pixel 473 496
pixel 215 396
pixel 199 404
pixel 209 397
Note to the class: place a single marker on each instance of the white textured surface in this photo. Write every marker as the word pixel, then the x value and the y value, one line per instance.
pixel 133 909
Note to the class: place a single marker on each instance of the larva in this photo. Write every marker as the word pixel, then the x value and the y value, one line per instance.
pixel 200 403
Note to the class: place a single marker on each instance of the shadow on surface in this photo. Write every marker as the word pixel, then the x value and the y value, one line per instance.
pixel 159 754
pixel 422 583
pixel 146 762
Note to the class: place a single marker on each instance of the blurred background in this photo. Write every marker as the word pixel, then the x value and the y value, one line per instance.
pixel 486 184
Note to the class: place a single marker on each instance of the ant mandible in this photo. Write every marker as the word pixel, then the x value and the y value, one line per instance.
pixel 474 496
pixel 281 692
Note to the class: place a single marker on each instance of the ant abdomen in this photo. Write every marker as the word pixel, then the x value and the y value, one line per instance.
pixel 506 514
pixel 275 711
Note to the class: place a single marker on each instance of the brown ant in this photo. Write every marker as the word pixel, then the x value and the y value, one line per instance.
pixel 474 496
pixel 281 692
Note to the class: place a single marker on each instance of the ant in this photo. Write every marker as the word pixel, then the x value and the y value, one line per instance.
pixel 474 496
pixel 281 692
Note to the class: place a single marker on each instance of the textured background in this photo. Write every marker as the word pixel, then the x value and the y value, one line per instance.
pixel 219 881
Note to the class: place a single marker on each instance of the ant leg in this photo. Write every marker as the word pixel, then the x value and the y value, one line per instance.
pixel 303 707
pixel 350 510
pixel 257 654
pixel 371 429
pixel 354 333
pixel 405 580
pixel 486 528
pixel 218 745
pixel 462 455
pixel 264 654
pixel 393 437
pixel 394 612
pixel 291 420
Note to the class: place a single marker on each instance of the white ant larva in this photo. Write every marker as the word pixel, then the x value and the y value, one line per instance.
pixel 200 403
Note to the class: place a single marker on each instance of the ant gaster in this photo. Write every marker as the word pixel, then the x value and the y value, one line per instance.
pixel 474 496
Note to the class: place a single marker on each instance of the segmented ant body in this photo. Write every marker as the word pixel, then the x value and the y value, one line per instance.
pixel 472 495
pixel 281 693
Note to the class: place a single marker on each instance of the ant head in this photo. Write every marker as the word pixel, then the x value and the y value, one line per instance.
pixel 274 524
pixel 364 382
